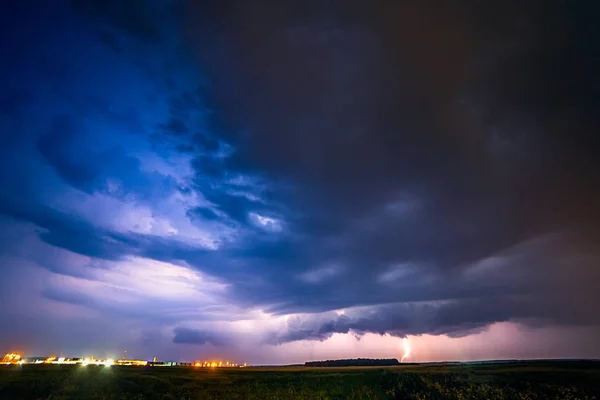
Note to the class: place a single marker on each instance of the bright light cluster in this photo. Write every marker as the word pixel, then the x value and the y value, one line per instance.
pixel 11 358
pixel 217 364
pixel 92 361
pixel 139 363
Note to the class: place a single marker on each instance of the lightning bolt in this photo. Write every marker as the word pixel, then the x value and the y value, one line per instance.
pixel 406 346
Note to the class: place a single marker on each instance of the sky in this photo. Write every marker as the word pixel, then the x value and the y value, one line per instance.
pixel 278 182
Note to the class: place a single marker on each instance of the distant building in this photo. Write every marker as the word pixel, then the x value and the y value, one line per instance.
pixel 168 364
pixel 156 363
pixel 139 363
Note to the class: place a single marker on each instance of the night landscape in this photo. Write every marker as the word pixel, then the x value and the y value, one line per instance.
pixel 299 199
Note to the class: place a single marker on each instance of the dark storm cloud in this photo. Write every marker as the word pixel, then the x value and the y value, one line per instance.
pixel 237 207
pixel 405 319
pixel 64 231
pixel 69 232
pixel 407 133
pixel 175 126
pixel 531 284
pixel 454 318
pixel 137 18
pixel 204 212
pixel 161 312
pixel 11 101
pixel 210 167
pixel 128 118
pixel 78 299
pixel 207 143
pixel 65 147
pixel 362 136
pixel 110 40
pixel 185 102
pixel 58 149
pixel 197 337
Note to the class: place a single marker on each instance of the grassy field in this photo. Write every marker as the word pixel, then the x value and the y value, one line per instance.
pixel 563 380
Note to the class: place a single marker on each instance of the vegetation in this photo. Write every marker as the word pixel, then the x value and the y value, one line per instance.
pixel 484 381
pixel 355 362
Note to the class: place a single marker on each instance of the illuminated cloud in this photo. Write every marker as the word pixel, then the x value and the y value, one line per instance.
pixel 268 223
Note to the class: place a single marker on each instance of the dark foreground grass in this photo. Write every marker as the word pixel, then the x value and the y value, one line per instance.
pixel 565 380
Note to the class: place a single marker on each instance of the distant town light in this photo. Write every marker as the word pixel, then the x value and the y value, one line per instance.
pixel 14 358
pixel 11 358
